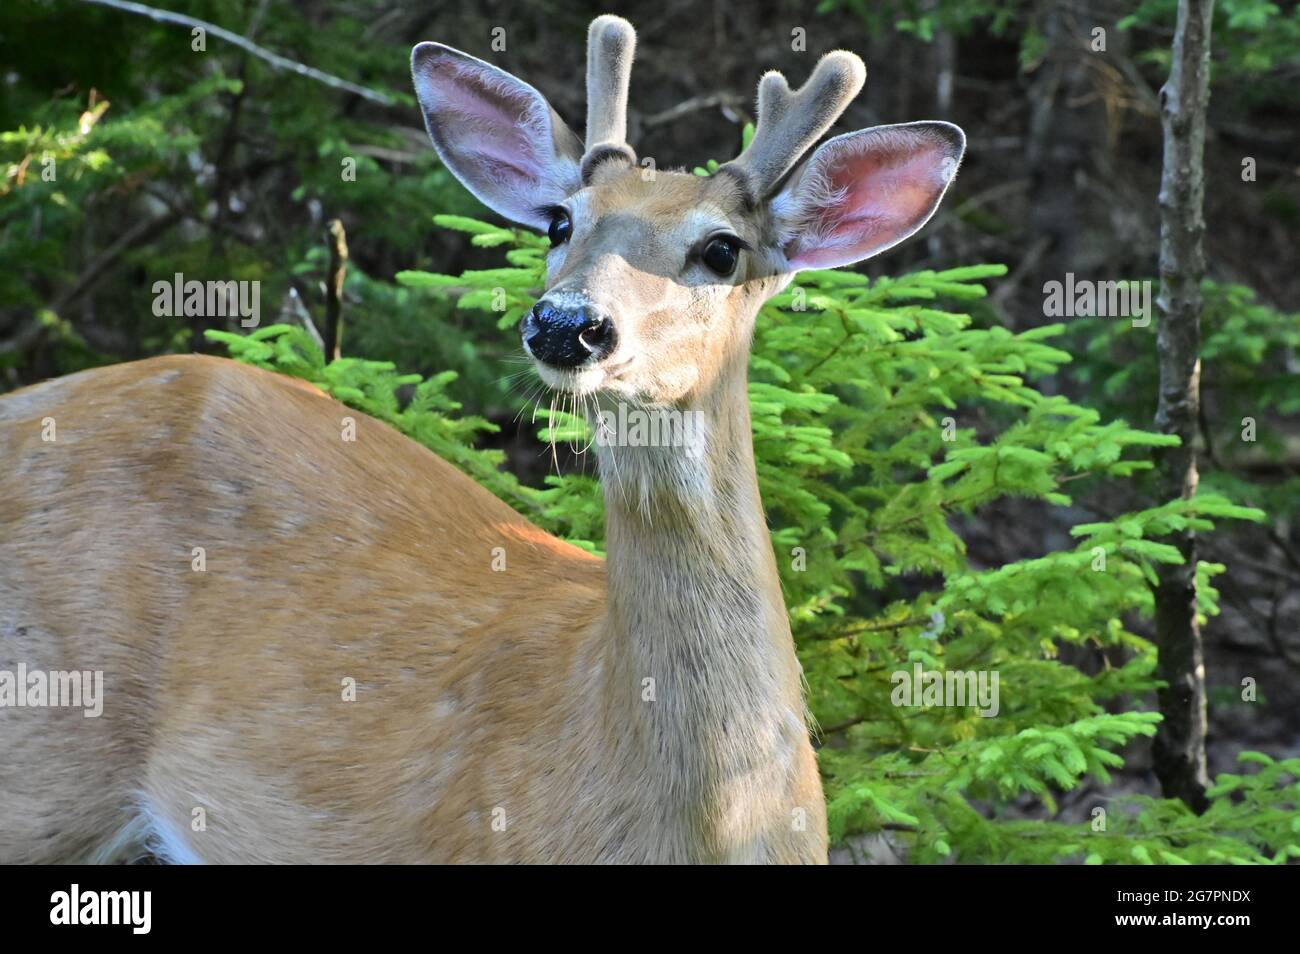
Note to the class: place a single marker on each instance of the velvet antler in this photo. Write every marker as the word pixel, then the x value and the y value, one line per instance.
pixel 611 43
pixel 789 123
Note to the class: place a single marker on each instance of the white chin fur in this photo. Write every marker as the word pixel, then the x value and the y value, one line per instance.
pixel 584 381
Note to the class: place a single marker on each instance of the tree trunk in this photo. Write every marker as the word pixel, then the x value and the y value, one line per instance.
pixel 1180 742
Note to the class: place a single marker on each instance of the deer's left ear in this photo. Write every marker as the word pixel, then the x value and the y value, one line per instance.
pixel 863 192
pixel 497 135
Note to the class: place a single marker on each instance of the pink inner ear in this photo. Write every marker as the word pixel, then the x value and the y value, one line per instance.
pixel 496 134
pixel 863 193
pixel 491 126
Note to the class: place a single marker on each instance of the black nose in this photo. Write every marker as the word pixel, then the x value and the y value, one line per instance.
pixel 567 336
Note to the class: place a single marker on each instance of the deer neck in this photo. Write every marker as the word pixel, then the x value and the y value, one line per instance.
pixel 700 680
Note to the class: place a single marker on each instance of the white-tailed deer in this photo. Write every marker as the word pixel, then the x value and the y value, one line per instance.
pixel 202 534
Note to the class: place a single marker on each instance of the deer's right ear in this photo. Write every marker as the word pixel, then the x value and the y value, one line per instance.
pixel 496 134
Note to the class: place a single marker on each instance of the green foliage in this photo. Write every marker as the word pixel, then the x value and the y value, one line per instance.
pixel 1252 39
pixel 882 419
pixel 1248 378
pixel 55 169
pixel 228 146
pixel 922 18
pixel 1256 46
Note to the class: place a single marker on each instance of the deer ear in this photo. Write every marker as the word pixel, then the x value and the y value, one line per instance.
pixel 863 192
pixel 496 134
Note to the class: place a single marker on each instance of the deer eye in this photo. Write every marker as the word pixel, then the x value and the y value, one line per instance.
pixel 721 254
pixel 561 228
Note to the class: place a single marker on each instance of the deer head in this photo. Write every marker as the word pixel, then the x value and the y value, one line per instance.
pixel 654 277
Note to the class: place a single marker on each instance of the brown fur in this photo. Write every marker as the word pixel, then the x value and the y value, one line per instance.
pixel 511 692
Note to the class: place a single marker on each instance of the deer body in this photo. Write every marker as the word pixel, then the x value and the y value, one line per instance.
pixel 646 708
pixel 224 687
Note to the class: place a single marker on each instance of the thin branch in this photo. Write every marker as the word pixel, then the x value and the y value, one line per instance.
pixel 143 231
pixel 274 59
pixel 138 234
pixel 26 336
pixel 338 243
pixel 293 310
pixel 728 101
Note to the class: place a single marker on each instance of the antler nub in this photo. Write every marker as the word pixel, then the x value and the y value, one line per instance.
pixel 611 43
pixel 790 123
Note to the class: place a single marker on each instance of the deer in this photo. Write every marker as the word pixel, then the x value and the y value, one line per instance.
pixel 347 677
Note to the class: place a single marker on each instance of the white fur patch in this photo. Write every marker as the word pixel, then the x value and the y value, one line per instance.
pixel 167 843
pixel 144 833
